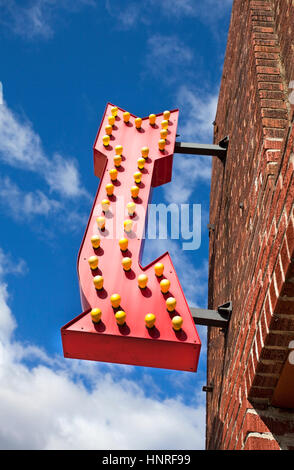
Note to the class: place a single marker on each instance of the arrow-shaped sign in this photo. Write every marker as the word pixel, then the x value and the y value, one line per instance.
pixel 132 314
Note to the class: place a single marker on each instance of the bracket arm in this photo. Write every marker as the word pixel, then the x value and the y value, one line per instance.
pixel 219 318
pixel 192 148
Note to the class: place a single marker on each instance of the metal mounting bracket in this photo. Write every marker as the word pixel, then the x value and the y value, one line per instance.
pixel 191 148
pixel 207 388
pixel 219 317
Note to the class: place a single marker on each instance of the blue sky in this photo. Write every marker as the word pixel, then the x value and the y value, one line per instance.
pixel 60 65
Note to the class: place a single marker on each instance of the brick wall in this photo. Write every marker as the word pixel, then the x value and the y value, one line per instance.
pixel 251 258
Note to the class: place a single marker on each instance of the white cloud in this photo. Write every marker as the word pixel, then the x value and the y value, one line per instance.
pixel 36 18
pixel 47 406
pixel 133 14
pixel 7 322
pixel 63 177
pixel 211 11
pixel 9 265
pixel 181 8
pixel 164 49
pixel 21 204
pixel 21 147
pixel 128 16
pixel 195 125
pixel 167 56
pixel 198 110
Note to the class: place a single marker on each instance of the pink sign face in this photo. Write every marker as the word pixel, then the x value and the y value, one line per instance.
pixel 170 342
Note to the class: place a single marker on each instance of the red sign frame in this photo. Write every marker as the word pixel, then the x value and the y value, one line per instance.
pixel 132 343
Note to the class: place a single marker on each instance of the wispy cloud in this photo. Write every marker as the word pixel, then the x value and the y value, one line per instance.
pixel 8 265
pixel 20 204
pixel 132 14
pixel 47 406
pixel 167 56
pixel 36 18
pixel 198 110
pixel 128 13
pixel 21 147
pixel 211 11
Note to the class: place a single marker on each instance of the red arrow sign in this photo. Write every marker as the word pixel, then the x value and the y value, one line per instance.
pixel 167 344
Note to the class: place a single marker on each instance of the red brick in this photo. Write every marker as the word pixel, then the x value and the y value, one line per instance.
pixel 279 123
pixel 273 103
pixel 261 443
pixel 253 423
pixel 269 368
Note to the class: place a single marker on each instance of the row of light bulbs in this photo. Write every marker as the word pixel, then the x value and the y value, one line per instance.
pixel 142 280
pixel 131 206
pixel 138 124
pixel 150 318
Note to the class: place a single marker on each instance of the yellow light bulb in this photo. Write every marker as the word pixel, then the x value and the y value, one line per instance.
pixel 164 285
pixel 166 115
pixel 93 262
pixel 105 205
pixel 101 222
pixel 150 319
pixel 171 304
pixel 128 224
pixel 126 116
pixel 145 152
pixel 159 268
pixel 111 120
pixel 152 119
pixel 123 244
pixel 106 140
pixel 95 240
pixel 96 315
pixel 117 160
pixel 177 322
pixel 114 111
pixel 138 122
pixel 126 263
pixel 120 317
pixel 164 124
pixel 163 133
pixel 98 282
pixel 109 189
pixel 113 174
pixel 161 144
pixel 138 177
pixel 108 129
pixel 131 206
pixel 134 191
pixel 142 281
pixel 115 300
pixel 118 149
pixel 141 163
